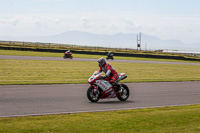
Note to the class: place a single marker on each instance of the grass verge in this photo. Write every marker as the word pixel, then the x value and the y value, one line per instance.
pixel 182 119
pixel 52 72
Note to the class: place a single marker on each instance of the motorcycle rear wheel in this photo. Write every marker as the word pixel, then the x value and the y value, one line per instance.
pixel 123 96
pixel 91 96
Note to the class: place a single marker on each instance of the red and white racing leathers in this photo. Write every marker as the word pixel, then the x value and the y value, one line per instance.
pixel 109 71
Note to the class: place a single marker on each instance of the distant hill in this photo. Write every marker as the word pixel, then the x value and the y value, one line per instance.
pixel 119 40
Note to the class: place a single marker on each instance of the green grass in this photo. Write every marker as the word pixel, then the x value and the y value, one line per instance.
pixel 48 54
pixel 30 53
pixel 182 119
pixel 52 72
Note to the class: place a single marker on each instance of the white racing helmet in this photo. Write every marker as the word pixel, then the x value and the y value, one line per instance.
pixel 101 61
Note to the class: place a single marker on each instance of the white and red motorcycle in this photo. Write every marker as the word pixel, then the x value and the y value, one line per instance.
pixel 100 89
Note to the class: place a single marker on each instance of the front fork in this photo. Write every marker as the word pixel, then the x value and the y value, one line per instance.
pixel 95 88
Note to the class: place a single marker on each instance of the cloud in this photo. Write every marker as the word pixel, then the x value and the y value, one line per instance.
pixel 184 28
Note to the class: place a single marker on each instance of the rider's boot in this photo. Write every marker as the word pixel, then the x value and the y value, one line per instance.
pixel 117 87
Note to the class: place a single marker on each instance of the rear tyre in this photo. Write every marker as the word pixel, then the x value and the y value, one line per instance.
pixel 123 96
pixel 93 97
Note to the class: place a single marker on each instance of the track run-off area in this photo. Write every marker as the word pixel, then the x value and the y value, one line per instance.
pixel 24 100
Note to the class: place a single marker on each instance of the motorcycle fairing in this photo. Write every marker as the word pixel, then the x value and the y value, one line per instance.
pixel 107 89
pixel 103 84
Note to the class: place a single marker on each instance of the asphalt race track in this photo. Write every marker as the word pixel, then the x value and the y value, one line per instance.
pixel 88 59
pixel 23 100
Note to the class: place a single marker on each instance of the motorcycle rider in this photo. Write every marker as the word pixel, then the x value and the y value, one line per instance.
pixel 111 73
pixel 68 52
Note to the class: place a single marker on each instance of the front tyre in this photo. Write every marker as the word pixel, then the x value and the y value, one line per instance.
pixel 93 97
pixel 123 96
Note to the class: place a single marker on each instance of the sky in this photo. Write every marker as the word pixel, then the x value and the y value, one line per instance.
pixel 166 19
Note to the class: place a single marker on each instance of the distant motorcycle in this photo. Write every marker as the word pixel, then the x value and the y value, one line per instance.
pixel 110 56
pixel 67 54
pixel 100 89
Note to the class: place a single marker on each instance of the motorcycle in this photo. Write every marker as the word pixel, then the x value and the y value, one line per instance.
pixel 110 56
pixel 67 55
pixel 101 89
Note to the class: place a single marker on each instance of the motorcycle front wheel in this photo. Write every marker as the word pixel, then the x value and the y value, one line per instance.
pixel 93 97
pixel 123 96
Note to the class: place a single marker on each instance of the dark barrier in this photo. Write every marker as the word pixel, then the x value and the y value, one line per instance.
pixel 103 53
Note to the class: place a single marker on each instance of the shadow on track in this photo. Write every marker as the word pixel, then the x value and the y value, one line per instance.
pixel 114 102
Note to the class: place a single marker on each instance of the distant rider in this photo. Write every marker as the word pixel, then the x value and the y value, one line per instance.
pixel 111 73
pixel 109 54
pixel 68 52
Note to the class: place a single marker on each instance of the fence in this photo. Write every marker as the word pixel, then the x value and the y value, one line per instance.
pixel 65 46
